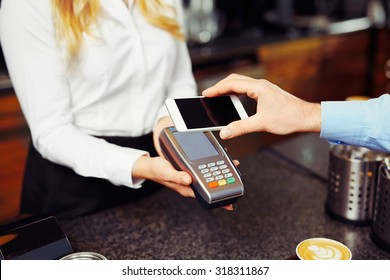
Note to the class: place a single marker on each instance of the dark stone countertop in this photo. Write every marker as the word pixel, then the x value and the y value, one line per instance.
pixel 284 203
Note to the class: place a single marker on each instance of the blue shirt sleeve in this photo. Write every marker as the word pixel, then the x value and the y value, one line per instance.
pixel 357 123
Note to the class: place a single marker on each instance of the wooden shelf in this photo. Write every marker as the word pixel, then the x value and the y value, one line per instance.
pixel 14 140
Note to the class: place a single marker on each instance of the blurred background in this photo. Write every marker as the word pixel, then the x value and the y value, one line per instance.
pixel 315 49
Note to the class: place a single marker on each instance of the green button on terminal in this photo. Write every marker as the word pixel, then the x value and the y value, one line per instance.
pixel 230 180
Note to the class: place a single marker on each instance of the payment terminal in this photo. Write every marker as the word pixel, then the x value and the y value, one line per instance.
pixel 215 179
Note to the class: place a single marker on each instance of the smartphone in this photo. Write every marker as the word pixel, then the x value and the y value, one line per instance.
pixel 216 181
pixel 203 113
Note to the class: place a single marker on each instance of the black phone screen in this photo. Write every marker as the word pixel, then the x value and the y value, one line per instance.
pixel 207 112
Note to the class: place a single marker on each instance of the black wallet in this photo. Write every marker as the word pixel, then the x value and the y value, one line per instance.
pixel 33 238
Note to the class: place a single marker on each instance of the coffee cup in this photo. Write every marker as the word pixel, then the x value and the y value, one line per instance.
pixel 322 249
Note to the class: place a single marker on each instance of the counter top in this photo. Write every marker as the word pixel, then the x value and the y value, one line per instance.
pixel 284 203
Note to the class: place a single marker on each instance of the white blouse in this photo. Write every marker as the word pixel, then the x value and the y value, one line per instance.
pixel 124 76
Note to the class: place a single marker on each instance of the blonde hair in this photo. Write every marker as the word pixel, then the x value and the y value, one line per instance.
pixel 72 18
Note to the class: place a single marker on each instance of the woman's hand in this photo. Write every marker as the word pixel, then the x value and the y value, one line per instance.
pixel 161 171
pixel 161 124
pixel 170 175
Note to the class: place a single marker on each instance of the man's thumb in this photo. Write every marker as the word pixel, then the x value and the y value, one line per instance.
pixel 237 128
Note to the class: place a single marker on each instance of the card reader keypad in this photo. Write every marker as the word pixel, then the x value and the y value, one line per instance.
pixel 217 174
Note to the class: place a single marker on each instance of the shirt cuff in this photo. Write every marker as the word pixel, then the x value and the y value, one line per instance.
pixel 163 112
pixel 119 166
pixel 341 121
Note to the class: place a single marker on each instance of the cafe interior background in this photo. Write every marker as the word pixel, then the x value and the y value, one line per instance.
pixel 316 49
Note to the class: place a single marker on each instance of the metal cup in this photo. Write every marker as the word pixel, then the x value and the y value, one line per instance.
pixel 84 256
pixel 352 180
pixel 380 230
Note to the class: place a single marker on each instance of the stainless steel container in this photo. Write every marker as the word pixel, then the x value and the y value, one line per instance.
pixel 203 21
pixel 84 256
pixel 352 180
pixel 380 230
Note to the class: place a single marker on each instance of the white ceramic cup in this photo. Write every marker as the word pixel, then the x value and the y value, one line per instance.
pixel 322 249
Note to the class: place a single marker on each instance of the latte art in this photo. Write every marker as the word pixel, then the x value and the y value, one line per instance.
pixel 325 253
pixel 322 249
